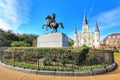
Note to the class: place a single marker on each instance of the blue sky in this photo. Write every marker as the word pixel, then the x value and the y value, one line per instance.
pixel 28 16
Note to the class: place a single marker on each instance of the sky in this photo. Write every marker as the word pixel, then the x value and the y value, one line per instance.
pixel 28 16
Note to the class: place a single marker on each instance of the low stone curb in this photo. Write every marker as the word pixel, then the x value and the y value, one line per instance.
pixel 64 73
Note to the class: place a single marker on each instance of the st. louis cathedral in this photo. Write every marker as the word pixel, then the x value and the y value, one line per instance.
pixel 86 37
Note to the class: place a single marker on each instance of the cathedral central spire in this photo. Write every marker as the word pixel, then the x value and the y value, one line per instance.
pixel 85 19
pixel 85 24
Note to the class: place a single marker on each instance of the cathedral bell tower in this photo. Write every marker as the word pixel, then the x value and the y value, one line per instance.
pixel 97 37
pixel 76 42
pixel 85 24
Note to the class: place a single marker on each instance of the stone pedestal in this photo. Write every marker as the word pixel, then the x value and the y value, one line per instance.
pixel 52 40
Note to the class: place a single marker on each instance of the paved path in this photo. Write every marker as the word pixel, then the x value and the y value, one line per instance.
pixel 8 74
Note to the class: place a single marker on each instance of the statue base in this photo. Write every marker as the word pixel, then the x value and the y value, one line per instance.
pixel 57 39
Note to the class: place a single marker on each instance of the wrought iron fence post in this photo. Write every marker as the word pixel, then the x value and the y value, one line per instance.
pixel 13 59
pixel 2 57
pixel 38 64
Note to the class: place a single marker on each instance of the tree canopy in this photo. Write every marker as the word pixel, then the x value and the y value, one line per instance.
pixel 7 37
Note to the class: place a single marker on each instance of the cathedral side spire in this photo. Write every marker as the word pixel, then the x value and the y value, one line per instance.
pixel 96 28
pixel 76 40
pixel 97 37
pixel 75 30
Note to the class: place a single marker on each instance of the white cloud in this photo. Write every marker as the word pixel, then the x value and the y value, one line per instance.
pixel 108 19
pixel 6 26
pixel 13 13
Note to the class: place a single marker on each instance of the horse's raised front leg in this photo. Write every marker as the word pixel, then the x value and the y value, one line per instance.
pixel 43 26
pixel 61 25
pixel 46 28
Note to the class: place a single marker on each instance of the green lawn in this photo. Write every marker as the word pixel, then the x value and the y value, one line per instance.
pixel 117 54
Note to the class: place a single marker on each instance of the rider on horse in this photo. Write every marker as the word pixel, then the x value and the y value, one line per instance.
pixel 51 19
pixel 52 23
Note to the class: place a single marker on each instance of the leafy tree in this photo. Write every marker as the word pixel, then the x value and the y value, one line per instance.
pixel 2 36
pixel 70 42
pixel 29 38
pixel 7 37
pixel 10 37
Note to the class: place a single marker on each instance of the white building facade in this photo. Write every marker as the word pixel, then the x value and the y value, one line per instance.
pixel 86 37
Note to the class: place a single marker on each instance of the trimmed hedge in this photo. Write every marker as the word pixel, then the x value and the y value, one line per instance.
pixel 61 57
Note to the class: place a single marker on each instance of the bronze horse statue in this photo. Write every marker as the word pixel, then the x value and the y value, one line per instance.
pixel 52 24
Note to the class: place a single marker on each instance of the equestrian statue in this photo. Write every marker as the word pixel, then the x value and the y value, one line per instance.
pixel 52 23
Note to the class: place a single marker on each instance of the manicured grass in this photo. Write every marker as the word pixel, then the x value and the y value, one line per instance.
pixel 117 54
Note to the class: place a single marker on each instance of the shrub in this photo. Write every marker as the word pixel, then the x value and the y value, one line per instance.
pixel 19 44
